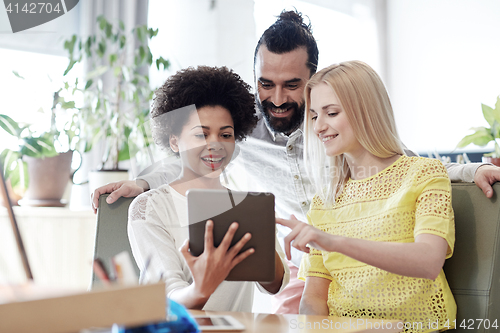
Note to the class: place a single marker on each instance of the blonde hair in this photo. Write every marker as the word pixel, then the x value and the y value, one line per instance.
pixel 365 101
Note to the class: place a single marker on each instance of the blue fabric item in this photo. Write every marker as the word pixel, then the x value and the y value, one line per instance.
pixel 178 321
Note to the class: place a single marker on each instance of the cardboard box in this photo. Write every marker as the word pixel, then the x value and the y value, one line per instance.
pixel 70 313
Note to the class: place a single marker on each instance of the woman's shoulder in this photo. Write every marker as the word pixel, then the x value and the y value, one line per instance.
pixel 159 198
pixel 159 193
pixel 424 168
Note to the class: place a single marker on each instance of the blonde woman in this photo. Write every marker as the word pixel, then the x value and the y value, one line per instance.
pixel 381 224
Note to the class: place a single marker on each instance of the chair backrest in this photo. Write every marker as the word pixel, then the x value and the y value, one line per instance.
pixel 473 272
pixel 111 234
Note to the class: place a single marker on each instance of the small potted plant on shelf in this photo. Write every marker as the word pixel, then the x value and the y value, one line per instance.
pixel 484 135
pixel 38 165
pixel 115 93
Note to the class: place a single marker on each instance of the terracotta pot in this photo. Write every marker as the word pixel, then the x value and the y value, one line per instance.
pixel 49 177
pixel 492 160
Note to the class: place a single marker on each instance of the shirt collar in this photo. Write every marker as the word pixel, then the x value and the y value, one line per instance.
pixel 276 136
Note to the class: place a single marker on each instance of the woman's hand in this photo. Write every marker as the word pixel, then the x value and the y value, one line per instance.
pixel 303 234
pixel 214 264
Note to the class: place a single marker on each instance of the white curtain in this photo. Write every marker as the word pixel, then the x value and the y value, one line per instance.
pixel 132 13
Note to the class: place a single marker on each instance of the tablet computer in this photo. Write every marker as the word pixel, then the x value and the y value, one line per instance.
pixel 218 323
pixel 254 212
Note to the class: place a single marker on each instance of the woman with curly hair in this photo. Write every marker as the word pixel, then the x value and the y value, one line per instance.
pixel 198 114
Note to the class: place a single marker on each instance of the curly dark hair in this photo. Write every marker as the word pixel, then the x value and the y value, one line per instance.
pixel 288 33
pixel 193 88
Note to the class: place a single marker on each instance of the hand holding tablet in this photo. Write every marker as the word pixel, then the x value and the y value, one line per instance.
pixel 254 213
pixel 211 267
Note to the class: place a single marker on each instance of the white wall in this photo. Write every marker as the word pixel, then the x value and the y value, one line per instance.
pixel 443 63
pixel 192 33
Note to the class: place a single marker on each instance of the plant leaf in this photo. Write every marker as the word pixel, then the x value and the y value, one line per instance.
pixel 140 33
pixel 9 125
pixel 124 153
pixel 164 62
pixel 109 30
pixel 19 176
pixel 497 105
pixel 123 41
pixel 101 48
pixel 70 45
pixel 70 66
pixel 88 45
pixel 68 105
pixel 480 138
pixel 142 53
pixel 102 22
pixel 8 157
pixel 100 70
pixel 17 74
pixel 488 114
pixel 87 86
pixel 112 58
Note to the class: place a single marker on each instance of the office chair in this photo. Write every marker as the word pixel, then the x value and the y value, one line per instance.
pixel 111 233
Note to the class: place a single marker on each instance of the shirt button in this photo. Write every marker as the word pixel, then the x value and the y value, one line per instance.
pixel 304 203
pixel 290 147
pixel 296 177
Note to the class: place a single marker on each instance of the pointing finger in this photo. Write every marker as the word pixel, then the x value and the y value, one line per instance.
pixel 287 223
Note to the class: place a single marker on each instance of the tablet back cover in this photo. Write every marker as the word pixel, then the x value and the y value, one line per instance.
pixel 254 213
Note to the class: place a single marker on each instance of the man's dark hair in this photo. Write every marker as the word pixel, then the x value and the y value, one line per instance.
pixel 288 33
pixel 201 86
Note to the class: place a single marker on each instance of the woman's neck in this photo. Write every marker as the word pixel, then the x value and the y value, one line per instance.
pixel 184 183
pixel 365 164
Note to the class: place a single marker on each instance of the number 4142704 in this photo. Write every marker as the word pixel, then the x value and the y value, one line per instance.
pixel 473 324
pixel 34 8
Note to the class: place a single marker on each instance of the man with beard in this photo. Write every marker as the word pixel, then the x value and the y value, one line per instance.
pixel 271 159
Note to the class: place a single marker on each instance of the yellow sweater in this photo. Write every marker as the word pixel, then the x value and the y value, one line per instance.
pixel 408 198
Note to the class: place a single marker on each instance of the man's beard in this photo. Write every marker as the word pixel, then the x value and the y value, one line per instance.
pixel 282 125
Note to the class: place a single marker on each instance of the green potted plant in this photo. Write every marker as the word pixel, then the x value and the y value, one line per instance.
pixel 116 93
pixel 484 135
pixel 38 166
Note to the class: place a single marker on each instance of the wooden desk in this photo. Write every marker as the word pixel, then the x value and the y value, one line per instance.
pixel 263 323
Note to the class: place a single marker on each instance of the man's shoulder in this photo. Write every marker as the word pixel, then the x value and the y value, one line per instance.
pixel 261 131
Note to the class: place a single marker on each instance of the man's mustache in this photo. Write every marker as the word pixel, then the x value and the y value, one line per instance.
pixel 270 106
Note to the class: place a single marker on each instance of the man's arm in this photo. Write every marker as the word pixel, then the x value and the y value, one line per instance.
pixel 484 175
pixel 161 173
pixel 124 188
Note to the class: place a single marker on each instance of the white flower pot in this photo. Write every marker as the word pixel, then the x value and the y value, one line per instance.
pixel 100 178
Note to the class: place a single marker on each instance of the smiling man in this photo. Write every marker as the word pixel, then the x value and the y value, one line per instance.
pixel 280 80
pixel 285 58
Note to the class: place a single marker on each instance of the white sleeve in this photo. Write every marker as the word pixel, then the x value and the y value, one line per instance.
pixel 456 171
pixel 286 274
pixel 149 238
pixel 462 172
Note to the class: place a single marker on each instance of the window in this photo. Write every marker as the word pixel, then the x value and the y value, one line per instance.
pixel 29 99
pixel 344 31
